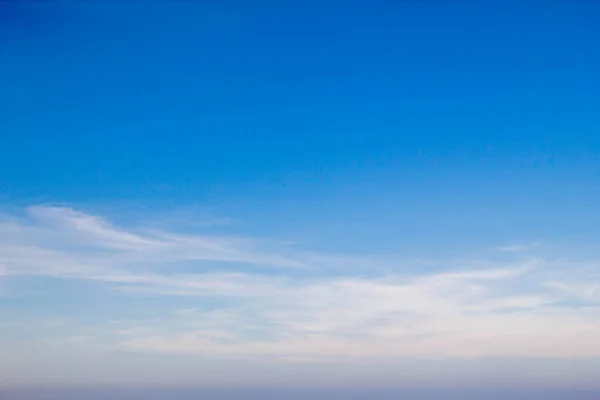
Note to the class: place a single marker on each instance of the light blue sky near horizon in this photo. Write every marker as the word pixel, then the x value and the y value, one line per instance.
pixel 300 184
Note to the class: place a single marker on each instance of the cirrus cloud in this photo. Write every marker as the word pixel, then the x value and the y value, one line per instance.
pixel 250 297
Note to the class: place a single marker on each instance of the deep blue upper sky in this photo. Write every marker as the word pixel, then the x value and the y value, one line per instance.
pixel 391 113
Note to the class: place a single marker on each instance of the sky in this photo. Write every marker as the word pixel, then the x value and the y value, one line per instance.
pixel 358 194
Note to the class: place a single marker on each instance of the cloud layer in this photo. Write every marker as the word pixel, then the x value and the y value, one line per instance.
pixel 243 297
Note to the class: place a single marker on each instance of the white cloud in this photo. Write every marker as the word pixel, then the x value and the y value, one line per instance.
pixel 63 242
pixel 582 290
pixel 247 298
pixel 515 248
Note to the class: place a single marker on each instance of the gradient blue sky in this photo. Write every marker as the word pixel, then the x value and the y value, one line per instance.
pixel 300 193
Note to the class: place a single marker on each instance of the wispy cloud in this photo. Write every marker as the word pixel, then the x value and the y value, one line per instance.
pixel 247 297
pixel 515 247
pixel 61 241
pixel 388 317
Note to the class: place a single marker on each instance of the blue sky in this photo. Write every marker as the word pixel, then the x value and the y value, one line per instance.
pixel 300 193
